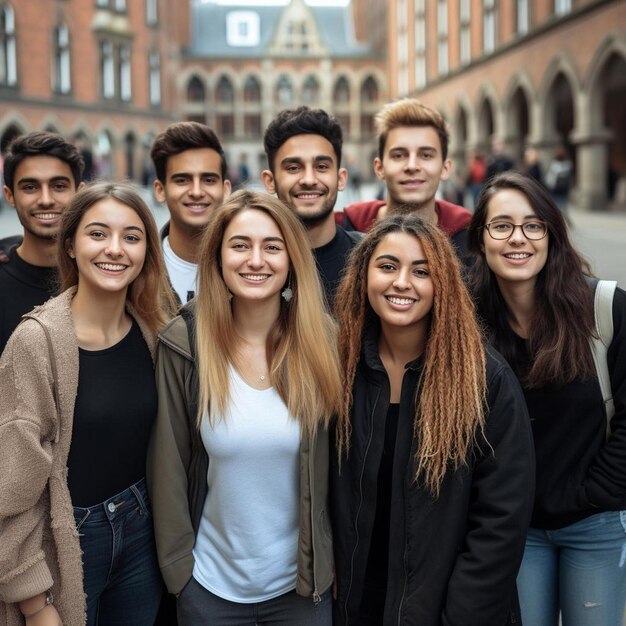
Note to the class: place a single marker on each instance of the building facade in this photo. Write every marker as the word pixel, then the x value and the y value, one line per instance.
pixel 532 73
pixel 101 72
pixel 245 63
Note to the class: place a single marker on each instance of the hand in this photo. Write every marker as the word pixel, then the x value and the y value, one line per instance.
pixel 48 617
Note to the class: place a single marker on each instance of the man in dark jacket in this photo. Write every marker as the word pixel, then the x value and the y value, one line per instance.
pixel 303 148
pixel 412 160
pixel 42 172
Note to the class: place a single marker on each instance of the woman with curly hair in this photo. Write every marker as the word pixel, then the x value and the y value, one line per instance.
pixel 248 381
pixel 431 495
pixel 535 293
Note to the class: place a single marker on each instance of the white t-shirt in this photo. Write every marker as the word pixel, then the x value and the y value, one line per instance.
pixel 182 274
pixel 247 542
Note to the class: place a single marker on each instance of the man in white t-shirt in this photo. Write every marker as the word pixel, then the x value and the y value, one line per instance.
pixel 191 178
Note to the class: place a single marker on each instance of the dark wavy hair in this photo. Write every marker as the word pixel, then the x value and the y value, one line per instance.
pixel 42 143
pixel 301 121
pixel 563 320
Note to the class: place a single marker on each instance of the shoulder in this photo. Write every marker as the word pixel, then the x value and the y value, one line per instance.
pixel 349 237
pixel 175 334
pixel 362 215
pixel 452 217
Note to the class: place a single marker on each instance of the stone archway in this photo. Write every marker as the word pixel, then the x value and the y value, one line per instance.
pixel 559 110
pixel 517 124
pixel 486 125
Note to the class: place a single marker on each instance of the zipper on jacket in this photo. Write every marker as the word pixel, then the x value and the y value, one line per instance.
pixel 356 519
pixel 316 596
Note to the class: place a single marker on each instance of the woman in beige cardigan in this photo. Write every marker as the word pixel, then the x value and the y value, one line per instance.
pixel 77 405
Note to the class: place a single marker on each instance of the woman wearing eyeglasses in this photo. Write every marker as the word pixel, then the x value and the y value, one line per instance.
pixel 534 292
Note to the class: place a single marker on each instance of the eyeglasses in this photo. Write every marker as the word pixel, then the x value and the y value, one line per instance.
pixel 503 230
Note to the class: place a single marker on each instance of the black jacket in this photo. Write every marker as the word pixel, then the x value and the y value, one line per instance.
pixel 453 561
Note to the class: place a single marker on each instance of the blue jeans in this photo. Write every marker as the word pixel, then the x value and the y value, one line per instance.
pixel 579 570
pixel 197 606
pixel 121 573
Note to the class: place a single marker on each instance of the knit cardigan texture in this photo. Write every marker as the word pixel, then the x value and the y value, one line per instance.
pixel 39 546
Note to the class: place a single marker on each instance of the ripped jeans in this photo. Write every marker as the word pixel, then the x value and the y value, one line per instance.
pixel 579 570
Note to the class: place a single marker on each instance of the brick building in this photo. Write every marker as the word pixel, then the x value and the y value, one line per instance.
pixel 529 72
pixel 99 70
pixel 245 63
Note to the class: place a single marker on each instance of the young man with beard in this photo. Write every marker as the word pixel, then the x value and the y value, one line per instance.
pixel 303 148
pixel 412 160
pixel 42 172
pixel 191 179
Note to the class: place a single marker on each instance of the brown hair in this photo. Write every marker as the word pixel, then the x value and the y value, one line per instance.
pixel 562 321
pixel 447 416
pixel 180 137
pixel 409 112
pixel 150 293
pixel 301 350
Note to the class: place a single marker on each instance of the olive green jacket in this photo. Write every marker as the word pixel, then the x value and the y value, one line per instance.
pixel 177 473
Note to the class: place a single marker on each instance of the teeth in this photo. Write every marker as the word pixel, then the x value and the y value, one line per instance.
pixel 308 196
pixel 518 255
pixel 111 267
pixel 258 277
pixel 394 300
pixel 46 216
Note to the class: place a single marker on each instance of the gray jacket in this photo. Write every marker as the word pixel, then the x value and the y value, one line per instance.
pixel 177 473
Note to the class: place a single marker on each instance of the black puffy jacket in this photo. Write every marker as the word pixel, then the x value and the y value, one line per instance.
pixel 453 560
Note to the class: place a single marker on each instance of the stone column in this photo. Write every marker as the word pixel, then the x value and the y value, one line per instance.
pixel 591 169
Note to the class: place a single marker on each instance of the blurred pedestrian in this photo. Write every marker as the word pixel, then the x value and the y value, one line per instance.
pixel 430 489
pixel 532 165
pixel 559 178
pixel 536 296
pixel 498 161
pixel 477 171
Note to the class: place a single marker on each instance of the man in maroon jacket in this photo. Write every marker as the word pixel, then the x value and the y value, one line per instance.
pixel 412 159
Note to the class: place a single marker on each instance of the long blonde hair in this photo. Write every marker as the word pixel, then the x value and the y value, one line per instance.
pixel 301 351
pixel 450 407
pixel 150 293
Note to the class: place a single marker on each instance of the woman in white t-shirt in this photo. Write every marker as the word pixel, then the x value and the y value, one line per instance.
pixel 248 380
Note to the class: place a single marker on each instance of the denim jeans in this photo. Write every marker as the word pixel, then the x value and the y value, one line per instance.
pixel 121 573
pixel 198 607
pixel 579 570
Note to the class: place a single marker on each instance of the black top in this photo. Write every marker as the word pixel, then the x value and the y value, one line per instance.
pixel 375 585
pixel 115 408
pixel 331 259
pixel 22 287
pixel 579 472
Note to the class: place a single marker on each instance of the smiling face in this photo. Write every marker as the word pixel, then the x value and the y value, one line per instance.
pixel 193 188
pixel 399 285
pixel 255 263
pixel 516 260
pixel 306 177
pixel 109 247
pixel 412 166
pixel 43 188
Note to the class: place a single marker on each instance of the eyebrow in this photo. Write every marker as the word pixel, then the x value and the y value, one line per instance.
pixel 390 257
pixel 246 238
pixel 401 147
pixel 103 225
pixel 317 159
pixel 39 180
pixel 216 174
pixel 509 217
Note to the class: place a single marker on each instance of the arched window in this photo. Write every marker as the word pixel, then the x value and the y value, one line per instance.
pixel 107 69
pixel 8 56
pixel 341 92
pixel 126 84
pixel 224 91
pixel 310 90
pixel 369 90
pixel 61 70
pixel 284 91
pixel 195 90
pixel 252 90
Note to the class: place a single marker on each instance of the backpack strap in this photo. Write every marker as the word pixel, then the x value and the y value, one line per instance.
pixel 603 315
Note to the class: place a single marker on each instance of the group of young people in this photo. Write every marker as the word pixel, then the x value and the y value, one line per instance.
pixel 336 427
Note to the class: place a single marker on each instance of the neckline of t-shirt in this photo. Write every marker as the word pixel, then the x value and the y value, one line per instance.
pixel 113 348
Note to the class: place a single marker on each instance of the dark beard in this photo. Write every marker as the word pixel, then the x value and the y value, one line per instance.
pixel 310 221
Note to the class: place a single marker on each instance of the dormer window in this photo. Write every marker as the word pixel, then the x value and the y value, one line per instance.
pixel 243 28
